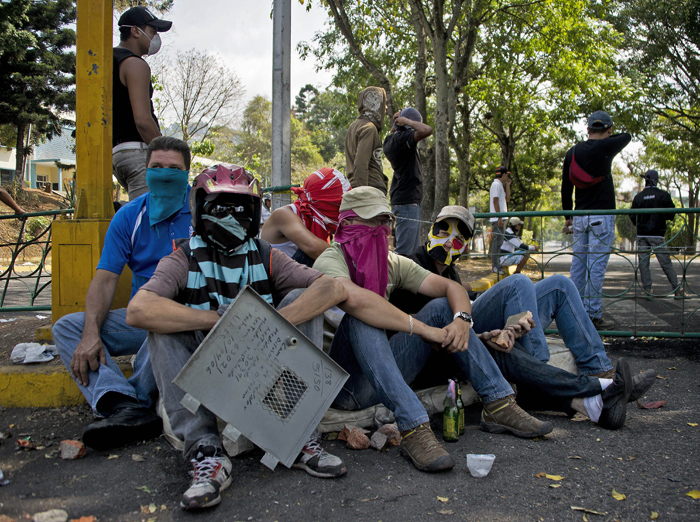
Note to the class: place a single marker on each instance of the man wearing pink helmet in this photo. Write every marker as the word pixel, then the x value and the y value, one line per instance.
pixel 301 230
pixel 190 290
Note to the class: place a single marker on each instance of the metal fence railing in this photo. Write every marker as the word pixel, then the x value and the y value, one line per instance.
pixel 25 261
pixel 635 311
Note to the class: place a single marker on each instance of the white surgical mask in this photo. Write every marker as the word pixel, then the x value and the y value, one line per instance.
pixel 154 47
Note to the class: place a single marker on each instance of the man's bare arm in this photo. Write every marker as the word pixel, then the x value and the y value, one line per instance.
pixel 284 222
pixel 323 293
pixel 422 130
pixel 136 75
pixel 90 352
pixel 149 311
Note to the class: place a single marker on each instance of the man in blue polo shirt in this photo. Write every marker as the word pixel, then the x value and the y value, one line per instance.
pixel 140 234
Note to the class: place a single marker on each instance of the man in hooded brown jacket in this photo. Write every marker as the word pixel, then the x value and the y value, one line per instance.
pixel 363 148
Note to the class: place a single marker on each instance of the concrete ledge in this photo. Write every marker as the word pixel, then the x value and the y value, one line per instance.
pixel 43 333
pixel 34 386
pixel 486 282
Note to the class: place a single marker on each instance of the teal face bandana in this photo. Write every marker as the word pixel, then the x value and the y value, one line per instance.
pixel 168 192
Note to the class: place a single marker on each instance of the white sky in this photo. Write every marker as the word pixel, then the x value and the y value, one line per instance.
pixel 240 32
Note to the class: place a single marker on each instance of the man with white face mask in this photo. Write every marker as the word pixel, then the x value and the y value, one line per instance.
pixel 134 119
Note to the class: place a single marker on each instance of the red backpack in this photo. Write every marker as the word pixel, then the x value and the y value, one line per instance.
pixel 579 177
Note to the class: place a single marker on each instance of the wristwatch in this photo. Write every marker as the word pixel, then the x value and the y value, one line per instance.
pixel 465 316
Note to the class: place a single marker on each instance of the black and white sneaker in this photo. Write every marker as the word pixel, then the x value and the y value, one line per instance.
pixel 317 462
pixel 212 474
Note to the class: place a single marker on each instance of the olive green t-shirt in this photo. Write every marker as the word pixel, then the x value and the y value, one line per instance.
pixel 403 272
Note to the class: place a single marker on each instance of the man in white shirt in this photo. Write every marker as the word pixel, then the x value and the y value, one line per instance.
pixel 499 196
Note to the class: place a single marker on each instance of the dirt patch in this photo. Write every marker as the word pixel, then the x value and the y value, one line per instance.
pixel 20 329
pixel 31 200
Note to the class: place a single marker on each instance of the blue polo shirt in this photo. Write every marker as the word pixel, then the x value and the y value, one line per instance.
pixel 131 240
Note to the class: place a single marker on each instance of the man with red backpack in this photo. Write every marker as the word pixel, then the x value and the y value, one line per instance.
pixel 191 289
pixel 588 168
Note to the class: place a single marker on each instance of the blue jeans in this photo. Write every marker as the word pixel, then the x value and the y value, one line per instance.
pixel 593 239
pixel 407 228
pixel 554 298
pixel 380 369
pixel 118 338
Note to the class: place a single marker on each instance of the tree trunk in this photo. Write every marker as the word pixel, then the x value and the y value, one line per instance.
pixel 20 157
pixel 428 191
pixel 442 149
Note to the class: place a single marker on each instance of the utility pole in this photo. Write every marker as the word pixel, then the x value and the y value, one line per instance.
pixel 281 107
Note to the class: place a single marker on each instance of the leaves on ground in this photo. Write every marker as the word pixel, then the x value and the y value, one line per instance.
pixel 112 457
pixel 554 477
pixel 369 499
pixel 145 489
pixel 618 496
pixel 694 494
pixel 443 499
pixel 693 424
pixel 138 458
pixel 553 486
pixel 148 509
pixel 591 511
pixel 654 515
pixel 446 512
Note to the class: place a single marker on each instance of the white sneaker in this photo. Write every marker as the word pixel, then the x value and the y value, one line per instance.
pixel 212 474
pixel 317 462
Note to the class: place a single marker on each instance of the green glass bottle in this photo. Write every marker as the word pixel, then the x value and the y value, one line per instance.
pixel 460 408
pixel 450 415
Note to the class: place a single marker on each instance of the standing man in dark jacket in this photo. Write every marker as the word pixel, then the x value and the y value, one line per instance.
pixel 651 229
pixel 363 148
pixel 593 235
pixel 134 119
pixel 401 148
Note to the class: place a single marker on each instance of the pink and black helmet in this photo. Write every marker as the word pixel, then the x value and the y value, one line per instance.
pixel 226 183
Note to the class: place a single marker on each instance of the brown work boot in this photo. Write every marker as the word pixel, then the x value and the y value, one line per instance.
pixel 420 445
pixel 504 415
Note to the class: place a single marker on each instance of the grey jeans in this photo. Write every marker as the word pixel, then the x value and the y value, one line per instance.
pixel 648 245
pixel 497 241
pixel 129 167
pixel 169 354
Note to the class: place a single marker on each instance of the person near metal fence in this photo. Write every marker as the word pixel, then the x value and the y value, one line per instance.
pixel 380 369
pixel 191 289
pixel 651 231
pixel 140 234
pixel 588 168
pixel 513 250
pixel 597 391
pixel 499 196
pixel 401 149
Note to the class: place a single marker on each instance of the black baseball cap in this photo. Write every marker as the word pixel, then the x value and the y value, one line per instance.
pixel 599 120
pixel 651 175
pixel 138 16
pixel 502 170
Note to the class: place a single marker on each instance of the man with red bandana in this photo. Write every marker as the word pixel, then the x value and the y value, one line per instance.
pixel 301 230
pixel 380 368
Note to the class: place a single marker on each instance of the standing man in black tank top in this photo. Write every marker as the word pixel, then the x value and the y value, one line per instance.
pixel 134 120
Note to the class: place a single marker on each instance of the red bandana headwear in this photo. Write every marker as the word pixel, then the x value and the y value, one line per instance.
pixel 319 200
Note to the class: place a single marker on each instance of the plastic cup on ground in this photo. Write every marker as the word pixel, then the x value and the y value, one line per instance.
pixel 479 465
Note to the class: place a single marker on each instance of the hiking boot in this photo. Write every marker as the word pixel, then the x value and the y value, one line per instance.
pixel 680 293
pixel 616 396
pixel 317 462
pixel 603 323
pixel 212 475
pixel 128 424
pixel 641 384
pixel 420 445
pixel 504 415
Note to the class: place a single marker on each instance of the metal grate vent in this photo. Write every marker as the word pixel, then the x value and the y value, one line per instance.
pixel 285 394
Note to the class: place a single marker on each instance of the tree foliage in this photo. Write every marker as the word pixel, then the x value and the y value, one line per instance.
pixel 37 69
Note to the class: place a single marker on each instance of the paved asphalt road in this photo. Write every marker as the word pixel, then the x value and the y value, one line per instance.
pixel 654 461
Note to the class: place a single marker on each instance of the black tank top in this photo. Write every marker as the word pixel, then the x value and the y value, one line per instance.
pixel 124 127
